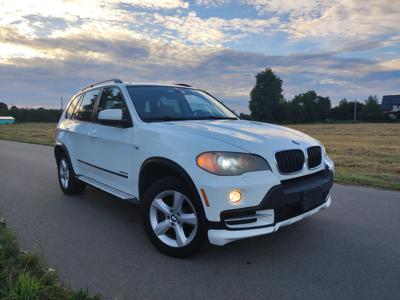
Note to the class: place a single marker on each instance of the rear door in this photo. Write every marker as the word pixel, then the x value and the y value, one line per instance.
pixel 112 150
pixel 65 129
pixel 83 122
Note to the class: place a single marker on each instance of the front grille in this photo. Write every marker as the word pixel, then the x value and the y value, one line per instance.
pixel 290 161
pixel 314 156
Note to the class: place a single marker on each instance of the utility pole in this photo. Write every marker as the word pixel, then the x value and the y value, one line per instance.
pixel 62 104
pixel 355 110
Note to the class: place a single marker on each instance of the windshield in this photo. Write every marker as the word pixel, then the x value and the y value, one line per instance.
pixel 164 103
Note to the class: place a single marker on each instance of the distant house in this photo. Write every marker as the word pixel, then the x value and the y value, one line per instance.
pixel 7 120
pixel 391 106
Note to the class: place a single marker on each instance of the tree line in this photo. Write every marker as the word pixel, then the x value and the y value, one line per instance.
pixel 267 104
pixel 41 115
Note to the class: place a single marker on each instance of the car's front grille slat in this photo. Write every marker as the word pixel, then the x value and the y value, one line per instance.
pixel 314 156
pixel 290 161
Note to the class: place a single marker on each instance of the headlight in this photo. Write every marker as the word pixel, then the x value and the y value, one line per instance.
pixel 231 163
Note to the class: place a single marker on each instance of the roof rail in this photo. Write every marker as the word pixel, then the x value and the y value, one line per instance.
pixel 97 83
pixel 183 84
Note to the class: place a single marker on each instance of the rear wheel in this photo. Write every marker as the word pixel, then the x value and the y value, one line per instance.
pixel 69 184
pixel 173 218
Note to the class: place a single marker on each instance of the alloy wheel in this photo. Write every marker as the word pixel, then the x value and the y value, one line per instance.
pixel 173 218
pixel 64 173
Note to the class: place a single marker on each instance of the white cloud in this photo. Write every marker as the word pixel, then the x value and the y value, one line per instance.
pixel 212 32
pixel 212 3
pixel 334 23
pixel 304 9
pixel 70 43
pixel 168 4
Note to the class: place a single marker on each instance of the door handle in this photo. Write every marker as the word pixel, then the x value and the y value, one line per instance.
pixel 93 134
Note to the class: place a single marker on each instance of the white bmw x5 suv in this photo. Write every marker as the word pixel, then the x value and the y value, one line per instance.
pixel 198 171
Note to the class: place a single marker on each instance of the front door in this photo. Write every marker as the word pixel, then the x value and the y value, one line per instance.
pixel 112 146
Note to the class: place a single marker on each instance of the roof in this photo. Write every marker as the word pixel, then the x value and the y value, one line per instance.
pixel 389 100
pixel 156 84
pixel 7 118
pixel 120 82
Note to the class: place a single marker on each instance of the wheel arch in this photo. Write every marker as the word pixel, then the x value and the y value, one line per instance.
pixel 59 149
pixel 164 168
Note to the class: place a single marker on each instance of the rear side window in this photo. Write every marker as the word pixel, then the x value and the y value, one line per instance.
pixel 111 98
pixel 72 105
pixel 85 110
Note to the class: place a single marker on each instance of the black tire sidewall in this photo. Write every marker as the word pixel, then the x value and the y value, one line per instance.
pixel 171 183
pixel 75 186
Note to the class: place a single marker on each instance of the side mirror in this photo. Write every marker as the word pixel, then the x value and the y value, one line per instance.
pixel 110 115
pixel 113 117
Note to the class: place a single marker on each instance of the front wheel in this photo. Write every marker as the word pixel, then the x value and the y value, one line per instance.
pixel 173 218
pixel 69 184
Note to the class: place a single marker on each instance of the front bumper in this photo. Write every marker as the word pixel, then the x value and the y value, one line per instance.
pixel 284 204
pixel 221 237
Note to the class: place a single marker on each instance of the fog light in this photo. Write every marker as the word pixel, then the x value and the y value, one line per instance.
pixel 235 196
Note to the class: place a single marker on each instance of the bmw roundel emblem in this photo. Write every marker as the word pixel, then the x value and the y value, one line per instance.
pixel 295 142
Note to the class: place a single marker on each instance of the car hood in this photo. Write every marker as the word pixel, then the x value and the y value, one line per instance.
pixel 254 137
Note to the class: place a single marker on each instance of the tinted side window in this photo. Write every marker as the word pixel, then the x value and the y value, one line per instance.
pixel 111 98
pixel 72 105
pixel 85 110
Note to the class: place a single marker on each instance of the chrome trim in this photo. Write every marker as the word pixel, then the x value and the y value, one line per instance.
pixel 114 80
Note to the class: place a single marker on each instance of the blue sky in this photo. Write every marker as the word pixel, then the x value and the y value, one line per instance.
pixel 340 48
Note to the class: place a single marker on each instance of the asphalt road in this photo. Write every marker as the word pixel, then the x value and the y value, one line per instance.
pixel 351 250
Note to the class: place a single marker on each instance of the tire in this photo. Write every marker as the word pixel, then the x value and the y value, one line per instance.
pixel 69 184
pixel 176 224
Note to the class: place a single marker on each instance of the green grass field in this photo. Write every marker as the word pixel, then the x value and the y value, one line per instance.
pixel 364 154
pixel 34 133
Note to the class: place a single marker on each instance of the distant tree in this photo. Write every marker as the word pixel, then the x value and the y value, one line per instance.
pixel 266 97
pixel 245 116
pixel 41 114
pixel 3 106
pixel 345 110
pixel 371 111
pixel 309 107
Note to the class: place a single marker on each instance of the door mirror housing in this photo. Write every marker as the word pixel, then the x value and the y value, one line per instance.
pixel 113 117
pixel 110 115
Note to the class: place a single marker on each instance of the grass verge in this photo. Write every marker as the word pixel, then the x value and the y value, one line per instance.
pixel 33 133
pixel 23 276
